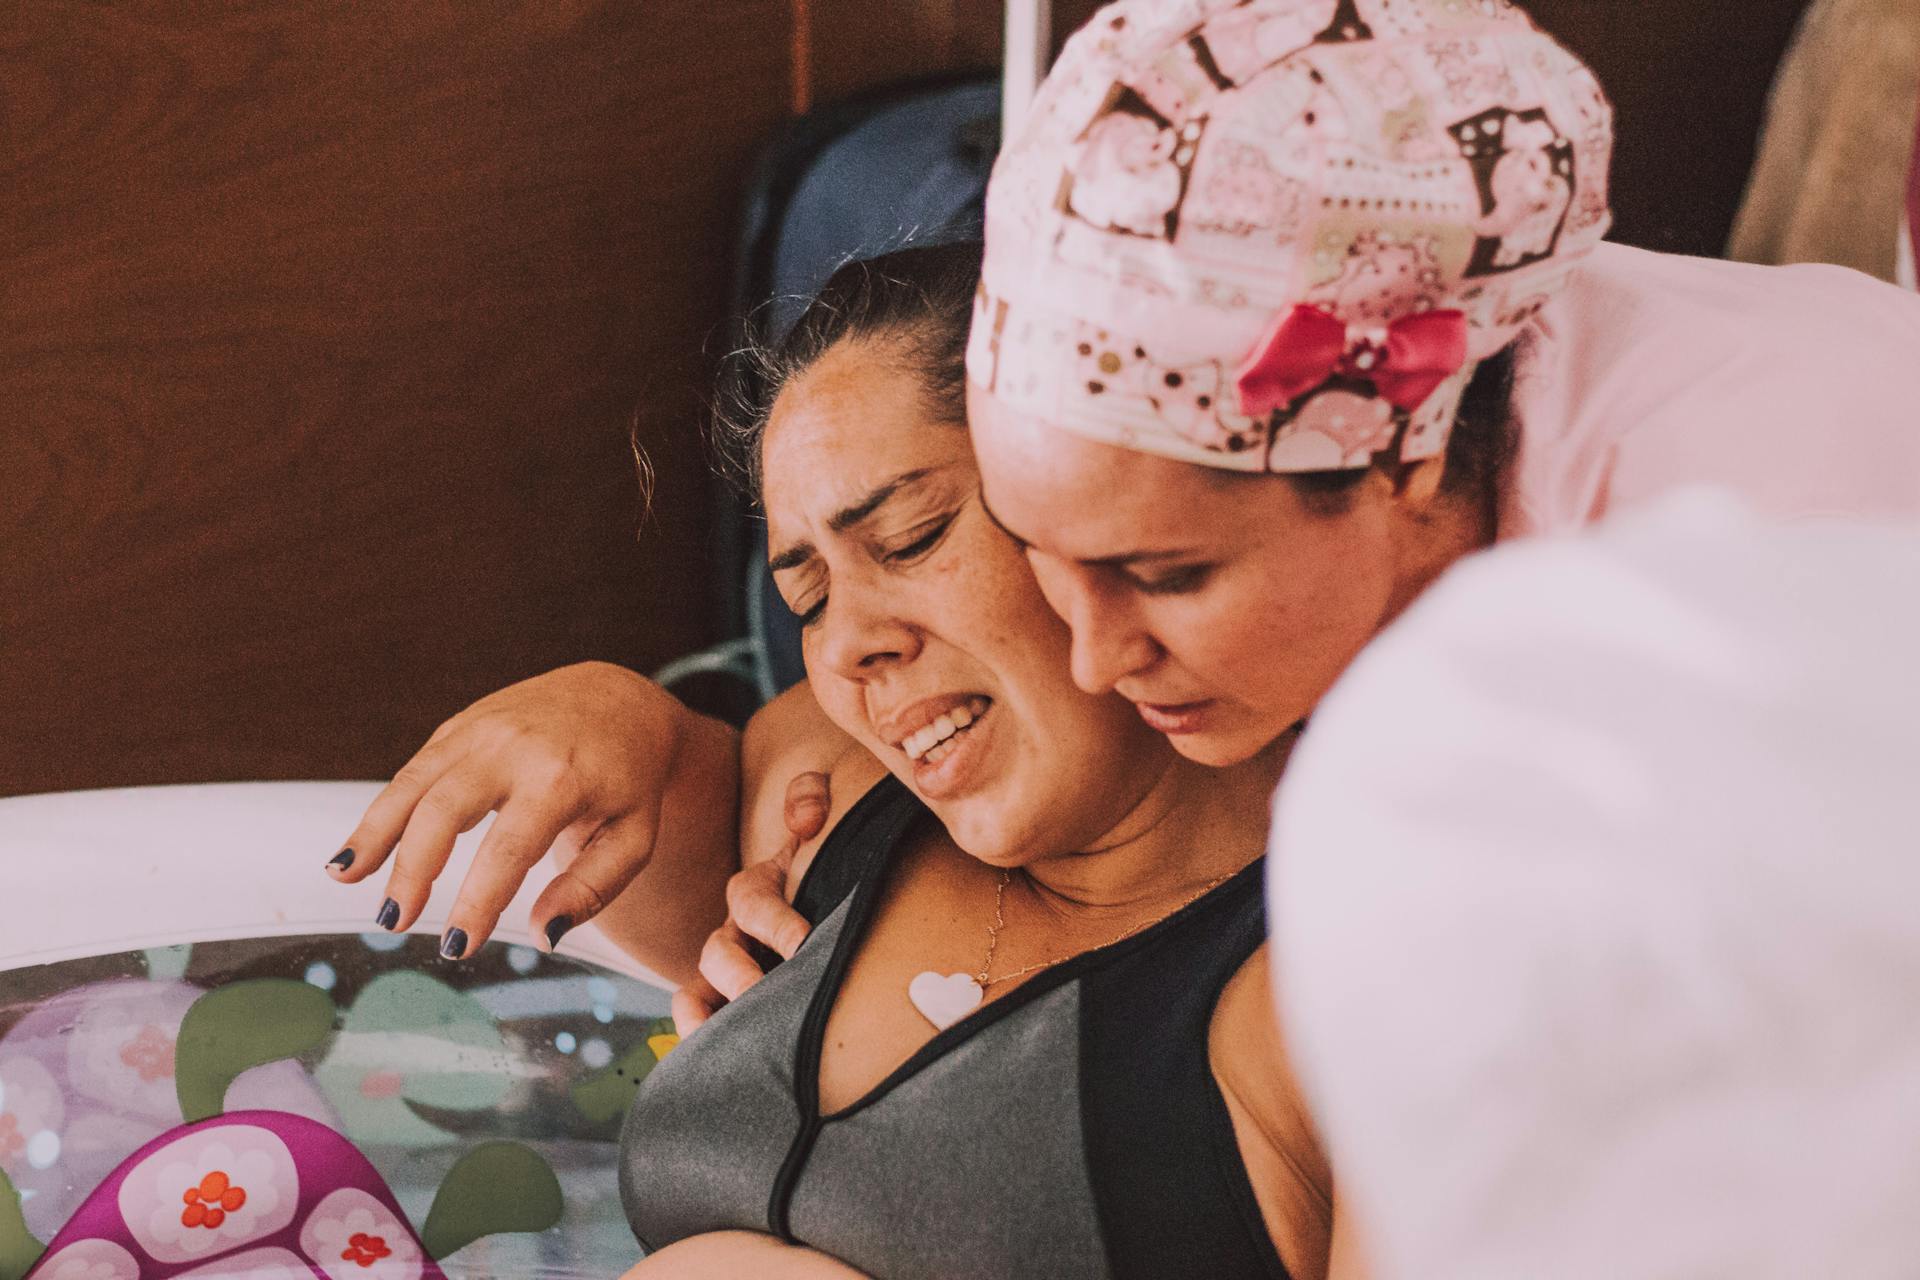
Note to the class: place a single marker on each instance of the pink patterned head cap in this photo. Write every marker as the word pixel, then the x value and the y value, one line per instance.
pixel 1280 235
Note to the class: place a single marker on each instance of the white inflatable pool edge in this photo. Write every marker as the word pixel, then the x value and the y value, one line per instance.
pixel 98 872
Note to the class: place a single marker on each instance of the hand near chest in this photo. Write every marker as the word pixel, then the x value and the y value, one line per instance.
pixel 728 1255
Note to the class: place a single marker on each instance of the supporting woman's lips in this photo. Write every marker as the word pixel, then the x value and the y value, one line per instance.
pixel 1175 718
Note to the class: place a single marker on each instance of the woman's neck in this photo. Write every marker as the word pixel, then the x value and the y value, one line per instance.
pixel 1193 825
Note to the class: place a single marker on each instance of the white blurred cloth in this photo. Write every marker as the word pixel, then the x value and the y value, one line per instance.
pixel 1595 891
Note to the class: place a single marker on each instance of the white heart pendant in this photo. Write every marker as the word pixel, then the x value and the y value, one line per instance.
pixel 944 1000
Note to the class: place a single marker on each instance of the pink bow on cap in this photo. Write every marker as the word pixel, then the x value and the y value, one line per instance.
pixel 1310 345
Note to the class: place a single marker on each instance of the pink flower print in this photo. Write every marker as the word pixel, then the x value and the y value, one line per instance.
pixel 150 1053
pixel 352 1235
pixel 30 1106
pixel 210 1191
pixel 90 1260
pixel 364 1250
pixel 209 1203
pixel 382 1084
pixel 115 1020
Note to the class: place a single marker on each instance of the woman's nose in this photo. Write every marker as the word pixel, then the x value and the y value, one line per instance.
pixel 1108 644
pixel 857 643
pixel 1105 653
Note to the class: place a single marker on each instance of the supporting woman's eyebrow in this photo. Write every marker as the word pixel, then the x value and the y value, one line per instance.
pixel 1104 562
pixel 849 516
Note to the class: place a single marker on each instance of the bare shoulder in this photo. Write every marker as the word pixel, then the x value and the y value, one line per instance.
pixel 788 737
pixel 1247 1048
pixel 791 729
pixel 1291 1178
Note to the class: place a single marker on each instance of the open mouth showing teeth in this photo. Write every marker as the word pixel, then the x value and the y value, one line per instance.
pixel 938 740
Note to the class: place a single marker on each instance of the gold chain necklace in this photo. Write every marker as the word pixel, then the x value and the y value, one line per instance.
pixel 945 999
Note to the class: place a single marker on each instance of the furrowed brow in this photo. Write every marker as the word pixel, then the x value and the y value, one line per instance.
pixel 793 557
pixel 844 519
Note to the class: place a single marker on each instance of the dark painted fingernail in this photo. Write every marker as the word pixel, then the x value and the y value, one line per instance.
pixel 557 929
pixel 389 915
pixel 342 860
pixel 453 944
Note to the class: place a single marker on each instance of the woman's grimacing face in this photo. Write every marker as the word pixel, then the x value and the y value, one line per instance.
pixel 922 619
pixel 1218 604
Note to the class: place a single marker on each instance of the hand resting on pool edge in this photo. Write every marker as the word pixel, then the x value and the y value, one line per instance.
pixel 613 777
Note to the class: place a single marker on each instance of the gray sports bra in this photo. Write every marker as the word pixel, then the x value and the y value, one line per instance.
pixel 1070 1129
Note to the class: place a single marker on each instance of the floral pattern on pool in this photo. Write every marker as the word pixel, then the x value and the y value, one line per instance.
pixel 325 1106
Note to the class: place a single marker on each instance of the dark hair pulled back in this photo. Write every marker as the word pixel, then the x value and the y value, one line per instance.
pixel 915 302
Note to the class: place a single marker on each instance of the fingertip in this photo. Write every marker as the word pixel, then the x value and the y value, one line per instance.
pixel 403 906
pixel 727 967
pixel 808 783
pixel 689 1014
pixel 364 853
pixel 556 929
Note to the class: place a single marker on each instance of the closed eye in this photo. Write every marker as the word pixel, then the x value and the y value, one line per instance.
pixel 922 544
pixel 912 551
pixel 1174 582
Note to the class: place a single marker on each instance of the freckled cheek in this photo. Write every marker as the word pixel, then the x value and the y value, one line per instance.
pixel 982 577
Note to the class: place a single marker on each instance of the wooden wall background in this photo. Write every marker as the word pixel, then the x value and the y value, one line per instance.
pixel 324 325
pixel 322 328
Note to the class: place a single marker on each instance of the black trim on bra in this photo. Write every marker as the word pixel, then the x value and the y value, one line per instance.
pixel 847 854
pixel 1169 1181
pixel 854 859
